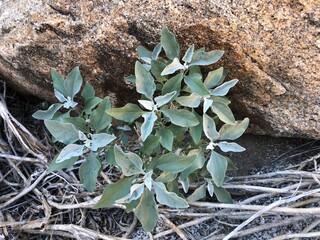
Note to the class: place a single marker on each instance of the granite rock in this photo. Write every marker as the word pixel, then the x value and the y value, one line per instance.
pixel 272 47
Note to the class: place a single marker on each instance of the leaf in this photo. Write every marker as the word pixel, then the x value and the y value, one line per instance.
pixel 188 55
pixel 215 78
pixel 130 163
pixel 89 171
pixel 58 83
pixel 73 82
pixel 173 84
pixel 185 184
pixel 150 144
pixel 217 167
pixel 149 105
pixel 170 44
pixel 210 187
pixel 113 192
pixel 196 85
pixel 47 114
pixel 136 191
pixel 232 132
pixel 162 100
pixel 207 102
pixel 147 126
pixel 206 58
pixel 91 103
pixel 88 91
pixel 131 205
pixel 147 211
pixel 224 88
pixel 223 111
pixel 230 147
pixel 68 163
pixel 63 132
pixel 128 113
pixel 169 199
pixel 60 96
pixel 172 67
pixel 222 194
pixel 131 79
pixel 197 163
pixel 157 68
pixel 144 81
pixel 148 180
pixel 69 151
pixel 101 140
pixel 156 51
pixel 79 123
pixel 144 54
pixel 166 138
pixel 196 131
pixel 181 118
pixel 209 128
pixel 99 119
pixel 173 163
pixel 192 101
pixel 198 194
pixel 166 177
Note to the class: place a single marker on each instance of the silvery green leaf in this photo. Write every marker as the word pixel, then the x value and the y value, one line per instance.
pixel 181 118
pixel 79 123
pixel 170 44
pixel 58 83
pixel 232 132
pixel 69 151
pixel 223 100
pixel 47 114
pixel 101 140
pixel 230 147
pixel 144 54
pixel 69 103
pixel 149 105
pixel 147 211
pixel 166 138
pixel 99 119
pixel 198 194
pixel 73 82
pixel 172 67
pixel 156 51
pixel 91 103
pixel 144 81
pixel 131 79
pixel 82 136
pixel 224 113
pixel 147 67
pixel 173 163
pixel 136 191
pixel 169 199
pixel 224 88
pixel 196 85
pixel 214 78
pixel 207 104
pixel 173 84
pixel 188 55
pixel 128 113
pixel 63 132
pixel 156 69
pixel 113 192
pixel 185 184
pixel 89 171
pixel 196 131
pixel 222 194
pixel 209 128
pixel 148 180
pixel 217 167
pixel 125 128
pixel 210 187
pixel 198 163
pixel 150 144
pixel 60 96
pixel 130 163
pixel 192 101
pixel 148 61
pixel 147 126
pixel 68 163
pixel 166 177
pixel 162 100
pixel 88 91
pixel 206 58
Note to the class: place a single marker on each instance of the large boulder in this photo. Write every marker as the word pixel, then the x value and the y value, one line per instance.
pixel 272 47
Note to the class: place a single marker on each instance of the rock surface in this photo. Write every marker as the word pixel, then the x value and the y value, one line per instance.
pixel 272 47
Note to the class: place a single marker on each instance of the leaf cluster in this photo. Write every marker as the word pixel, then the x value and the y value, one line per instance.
pixel 178 141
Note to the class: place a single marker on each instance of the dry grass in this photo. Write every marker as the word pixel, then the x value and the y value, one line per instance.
pixel 37 205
